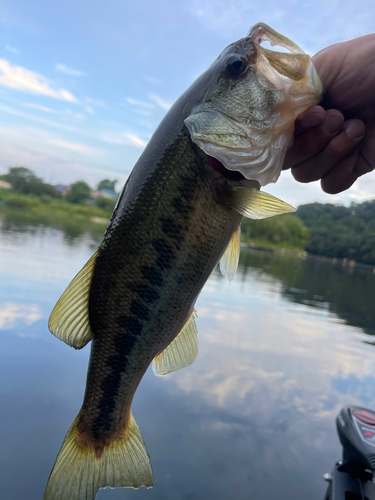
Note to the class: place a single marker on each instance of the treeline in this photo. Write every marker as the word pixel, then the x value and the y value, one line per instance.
pixel 283 231
pixel 322 229
pixel 25 182
pixel 341 232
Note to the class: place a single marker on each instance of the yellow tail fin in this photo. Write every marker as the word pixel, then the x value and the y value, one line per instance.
pixel 78 473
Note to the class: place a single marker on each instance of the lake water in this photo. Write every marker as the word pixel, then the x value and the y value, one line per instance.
pixel 282 348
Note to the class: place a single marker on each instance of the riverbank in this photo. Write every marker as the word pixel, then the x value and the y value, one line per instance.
pixel 48 208
pixel 304 255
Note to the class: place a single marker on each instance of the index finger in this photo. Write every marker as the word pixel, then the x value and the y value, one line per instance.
pixel 310 118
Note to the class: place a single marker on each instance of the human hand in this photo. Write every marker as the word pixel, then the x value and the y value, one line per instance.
pixel 338 145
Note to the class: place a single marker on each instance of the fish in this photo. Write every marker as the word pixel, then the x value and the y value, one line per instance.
pixel 177 217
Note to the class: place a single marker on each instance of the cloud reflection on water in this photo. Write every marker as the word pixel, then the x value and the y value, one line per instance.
pixel 271 352
pixel 254 415
pixel 10 313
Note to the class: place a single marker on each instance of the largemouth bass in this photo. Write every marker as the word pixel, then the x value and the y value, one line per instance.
pixel 178 215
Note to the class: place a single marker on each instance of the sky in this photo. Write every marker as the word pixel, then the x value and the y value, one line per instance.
pixel 83 85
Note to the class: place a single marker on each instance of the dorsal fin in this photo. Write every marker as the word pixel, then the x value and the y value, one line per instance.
pixel 69 320
pixel 181 352
pixel 256 204
pixel 231 256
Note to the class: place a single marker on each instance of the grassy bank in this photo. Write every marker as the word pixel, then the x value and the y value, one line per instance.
pixel 46 207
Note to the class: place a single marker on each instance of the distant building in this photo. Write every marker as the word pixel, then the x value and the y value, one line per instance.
pixel 62 189
pixel 104 193
pixel 5 185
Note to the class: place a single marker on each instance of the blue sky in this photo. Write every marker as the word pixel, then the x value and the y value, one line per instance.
pixel 83 85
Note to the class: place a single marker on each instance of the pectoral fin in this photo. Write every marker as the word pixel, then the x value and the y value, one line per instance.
pixel 256 204
pixel 181 352
pixel 231 256
pixel 69 320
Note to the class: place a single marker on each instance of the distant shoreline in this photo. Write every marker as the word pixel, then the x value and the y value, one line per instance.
pixel 304 255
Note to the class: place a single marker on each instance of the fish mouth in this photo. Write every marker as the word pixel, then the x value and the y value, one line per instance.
pixel 292 71
pixel 261 32
pixel 230 176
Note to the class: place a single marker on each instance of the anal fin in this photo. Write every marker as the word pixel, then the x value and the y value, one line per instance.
pixel 231 256
pixel 69 320
pixel 181 352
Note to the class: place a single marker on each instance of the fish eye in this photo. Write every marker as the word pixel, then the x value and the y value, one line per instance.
pixel 235 65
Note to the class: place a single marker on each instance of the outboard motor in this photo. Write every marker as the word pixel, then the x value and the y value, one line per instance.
pixel 352 477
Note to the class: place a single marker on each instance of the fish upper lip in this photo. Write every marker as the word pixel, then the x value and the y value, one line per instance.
pixel 261 32
pixel 297 58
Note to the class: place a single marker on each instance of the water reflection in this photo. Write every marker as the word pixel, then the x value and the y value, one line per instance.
pixel 344 291
pixel 73 229
pixel 281 350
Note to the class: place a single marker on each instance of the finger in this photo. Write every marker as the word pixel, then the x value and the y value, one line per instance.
pixel 310 118
pixel 342 175
pixel 340 146
pixel 310 143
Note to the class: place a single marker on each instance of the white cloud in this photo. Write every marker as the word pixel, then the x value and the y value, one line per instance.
pixel 296 193
pixel 76 116
pixel 232 20
pixel 89 110
pixel 160 101
pixel 17 77
pixel 74 146
pixel 94 102
pixel 124 138
pixel 11 49
pixel 89 104
pixel 142 112
pixel 42 108
pixel 142 104
pixel 39 119
pixel 10 312
pixel 111 137
pixel 39 151
pixel 65 70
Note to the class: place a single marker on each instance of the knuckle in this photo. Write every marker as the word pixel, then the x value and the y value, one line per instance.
pixel 337 148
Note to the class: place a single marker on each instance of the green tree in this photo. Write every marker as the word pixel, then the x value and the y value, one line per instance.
pixel 341 232
pixel 281 231
pixel 107 184
pixel 106 203
pixel 23 180
pixel 20 178
pixel 79 192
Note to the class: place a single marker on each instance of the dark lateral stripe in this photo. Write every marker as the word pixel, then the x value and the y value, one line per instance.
pixel 122 346
pixel 146 293
pixel 140 310
pixel 171 229
pixel 152 275
pixel 165 254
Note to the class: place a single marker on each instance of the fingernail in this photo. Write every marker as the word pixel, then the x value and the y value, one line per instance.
pixel 332 123
pixel 354 129
pixel 312 121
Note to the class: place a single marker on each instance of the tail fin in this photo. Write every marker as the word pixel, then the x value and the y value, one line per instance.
pixel 78 473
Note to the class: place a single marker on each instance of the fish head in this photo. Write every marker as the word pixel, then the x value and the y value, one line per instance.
pixel 245 117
